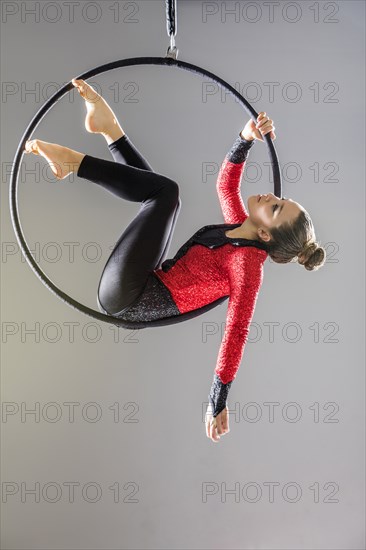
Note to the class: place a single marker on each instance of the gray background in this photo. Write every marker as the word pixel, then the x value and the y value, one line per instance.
pixel 305 357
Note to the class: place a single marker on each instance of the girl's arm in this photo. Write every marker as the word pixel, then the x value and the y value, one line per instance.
pixel 231 171
pixel 246 276
pixel 229 180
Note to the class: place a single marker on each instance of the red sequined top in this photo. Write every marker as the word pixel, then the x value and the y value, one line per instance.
pixel 204 274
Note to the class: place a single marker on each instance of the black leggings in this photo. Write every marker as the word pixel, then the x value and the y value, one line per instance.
pixel 145 242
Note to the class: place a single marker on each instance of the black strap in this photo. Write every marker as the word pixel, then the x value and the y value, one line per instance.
pixel 171 17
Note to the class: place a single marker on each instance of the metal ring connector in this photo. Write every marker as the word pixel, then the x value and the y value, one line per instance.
pixel 172 51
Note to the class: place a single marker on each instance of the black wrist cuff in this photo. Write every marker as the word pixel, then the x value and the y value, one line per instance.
pixel 239 151
pixel 218 395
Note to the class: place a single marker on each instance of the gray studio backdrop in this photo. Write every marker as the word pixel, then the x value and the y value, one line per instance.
pixel 103 434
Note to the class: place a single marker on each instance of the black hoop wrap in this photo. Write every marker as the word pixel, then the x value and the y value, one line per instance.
pixel 164 61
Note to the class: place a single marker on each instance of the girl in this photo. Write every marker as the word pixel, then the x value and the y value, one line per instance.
pixel 218 261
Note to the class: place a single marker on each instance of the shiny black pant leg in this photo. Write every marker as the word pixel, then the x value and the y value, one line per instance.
pixel 144 243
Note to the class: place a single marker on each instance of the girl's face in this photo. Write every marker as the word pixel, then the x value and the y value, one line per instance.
pixel 268 211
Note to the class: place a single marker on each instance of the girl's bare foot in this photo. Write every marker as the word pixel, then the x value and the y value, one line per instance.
pixel 62 160
pixel 100 119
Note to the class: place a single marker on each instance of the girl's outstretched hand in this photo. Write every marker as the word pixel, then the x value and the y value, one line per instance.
pixel 217 426
pixel 255 131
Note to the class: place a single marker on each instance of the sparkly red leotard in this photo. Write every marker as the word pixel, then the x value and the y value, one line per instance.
pixel 221 266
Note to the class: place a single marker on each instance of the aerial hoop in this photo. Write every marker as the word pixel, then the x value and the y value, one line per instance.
pixel 163 61
pixel 170 60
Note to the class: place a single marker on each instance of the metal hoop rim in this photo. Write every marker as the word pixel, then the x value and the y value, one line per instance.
pixel 13 198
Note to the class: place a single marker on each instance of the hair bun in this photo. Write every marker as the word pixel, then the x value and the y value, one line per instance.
pixel 312 256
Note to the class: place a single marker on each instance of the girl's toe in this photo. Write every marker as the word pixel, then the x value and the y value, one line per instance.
pixel 77 83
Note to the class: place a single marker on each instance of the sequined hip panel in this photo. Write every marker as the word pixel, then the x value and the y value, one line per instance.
pixel 154 303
